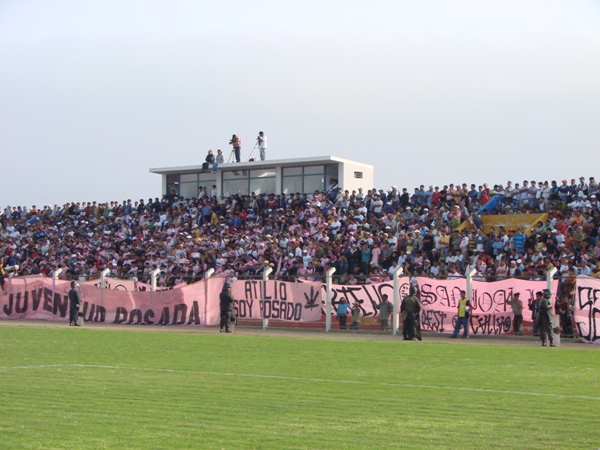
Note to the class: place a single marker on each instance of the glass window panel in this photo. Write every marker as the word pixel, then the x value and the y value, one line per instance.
pixel 291 185
pixel 188 190
pixel 292 171
pixel 332 170
pixel 309 170
pixel 232 187
pixel 207 178
pixel 263 173
pixel 172 179
pixel 188 177
pixel 313 183
pixel 173 187
pixel 262 185
pixel 234 174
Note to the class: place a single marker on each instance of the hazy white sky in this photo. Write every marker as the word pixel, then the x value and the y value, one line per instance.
pixel 95 92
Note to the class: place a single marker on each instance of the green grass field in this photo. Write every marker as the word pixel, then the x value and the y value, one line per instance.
pixel 90 388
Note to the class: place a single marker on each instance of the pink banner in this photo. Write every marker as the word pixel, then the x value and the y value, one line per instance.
pixel 587 309
pixel 198 304
pixel 271 299
pixel 439 300
pixel 47 299
pixel 491 314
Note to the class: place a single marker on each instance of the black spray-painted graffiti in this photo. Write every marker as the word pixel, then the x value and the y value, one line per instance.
pixel 588 301
pixel 368 296
pixel 484 300
pixel 490 324
pixel 273 301
pixel 491 312
pixel 182 315
pixel 58 305
pixel 432 320
pixel 29 301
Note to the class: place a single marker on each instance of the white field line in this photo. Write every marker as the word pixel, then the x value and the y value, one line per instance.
pixel 317 380
pixel 42 366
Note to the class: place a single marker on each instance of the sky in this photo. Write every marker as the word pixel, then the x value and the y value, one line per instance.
pixel 94 93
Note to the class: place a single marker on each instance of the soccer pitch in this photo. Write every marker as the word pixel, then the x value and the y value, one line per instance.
pixel 106 388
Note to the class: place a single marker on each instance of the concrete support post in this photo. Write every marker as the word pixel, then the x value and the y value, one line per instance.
pixel 469 288
pixel 207 275
pixel 555 321
pixel 153 277
pixel 328 276
pixel 55 276
pixel 103 276
pixel 396 318
pixel 265 277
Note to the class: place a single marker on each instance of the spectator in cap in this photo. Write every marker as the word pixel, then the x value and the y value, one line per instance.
pixel 517 307
pixel 385 310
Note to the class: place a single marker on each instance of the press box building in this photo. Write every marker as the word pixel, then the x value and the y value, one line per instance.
pixel 287 176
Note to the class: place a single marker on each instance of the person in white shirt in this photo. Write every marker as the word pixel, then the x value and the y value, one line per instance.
pixel 452 273
pixel 335 226
pixel 360 195
pixel 546 190
pixel 377 205
pixel 262 145
pixel 509 192
pixel 306 258
pixel 534 193
pixel 394 267
pixel 581 202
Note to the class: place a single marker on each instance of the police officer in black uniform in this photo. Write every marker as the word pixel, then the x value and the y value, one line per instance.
pixel 74 302
pixel 410 309
pixel 534 307
pixel 226 308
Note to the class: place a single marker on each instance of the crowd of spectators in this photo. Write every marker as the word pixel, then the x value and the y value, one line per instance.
pixel 366 236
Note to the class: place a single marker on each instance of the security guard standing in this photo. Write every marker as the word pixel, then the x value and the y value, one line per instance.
pixel 462 317
pixel 226 301
pixel 410 309
pixel 74 302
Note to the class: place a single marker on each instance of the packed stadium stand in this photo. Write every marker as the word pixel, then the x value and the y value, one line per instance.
pixel 518 230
